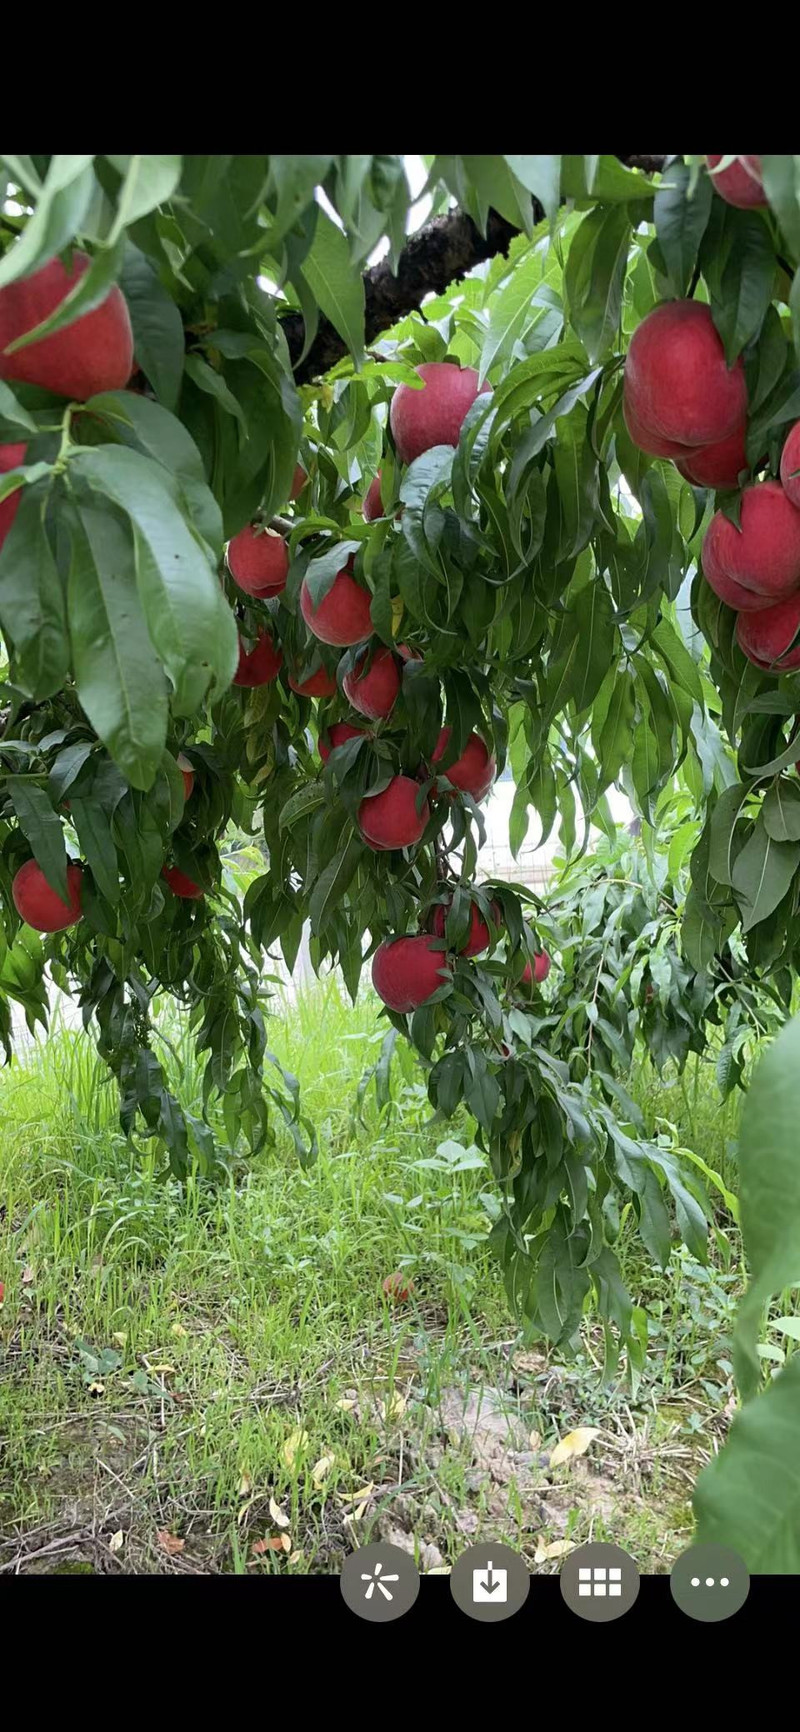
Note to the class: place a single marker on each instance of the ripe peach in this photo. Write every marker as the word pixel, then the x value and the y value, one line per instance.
pixel 338 735
pixel 188 775
pixel 40 906
pixel 434 416
pixel 320 684
pixel 372 506
pixel 260 665
pixel 398 1287
pixel 299 480
pixel 373 692
pixel 11 456
pixel 342 617
pixel 391 819
pixel 539 971
pixel 764 553
pixel 732 593
pixel 790 466
pixel 479 937
pixel 407 971
pixel 716 466
pixel 93 354
pixel 181 884
pixel 651 442
pixel 472 773
pixel 767 637
pixel 740 183
pixel 258 561
pixel 678 386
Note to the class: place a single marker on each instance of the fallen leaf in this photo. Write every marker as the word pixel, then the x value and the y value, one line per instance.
pixel 575 1443
pixel 296 1558
pixel 321 1469
pixel 28 1276
pixel 178 1330
pixel 243 1509
pixel 245 1485
pixel 535 1440
pixel 363 1494
pixel 159 1370
pixel 116 1541
pixel 393 1409
pixel 296 1444
pixel 280 1520
pixel 345 1405
pixel 274 1544
pixel 96 1388
pixel 556 1549
pixel 169 1543
pixel 120 1337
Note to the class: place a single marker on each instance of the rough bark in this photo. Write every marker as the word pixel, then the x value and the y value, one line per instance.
pixel 439 254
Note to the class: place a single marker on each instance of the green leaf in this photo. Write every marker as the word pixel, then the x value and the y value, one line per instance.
pixel 337 288
pixel 769 1172
pixel 12 413
pixel 781 811
pixel 93 826
pixel 151 429
pixel 746 286
pixel 541 175
pixel 61 207
pixel 594 278
pixel 209 380
pixel 748 1498
pixel 149 181
pixel 305 800
pixel 762 874
pixel 32 609
pixel 42 828
pixel 724 818
pixel 190 624
pixel 158 341
pixel 333 881
pixel 681 212
pixel 119 680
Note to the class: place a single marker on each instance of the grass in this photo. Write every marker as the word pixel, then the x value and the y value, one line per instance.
pixel 204 1379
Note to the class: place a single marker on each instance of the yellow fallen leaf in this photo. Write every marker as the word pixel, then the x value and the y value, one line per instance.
pixel 97 1388
pixel 556 1549
pixel 286 1542
pixel 535 1440
pixel 159 1370
pixel 345 1405
pixel 116 1541
pixel 296 1558
pixel 363 1494
pixel 178 1330
pixel 280 1520
pixel 120 1337
pixel 392 1409
pixel 245 1485
pixel 296 1444
pixel 243 1510
pixel 321 1469
pixel 575 1443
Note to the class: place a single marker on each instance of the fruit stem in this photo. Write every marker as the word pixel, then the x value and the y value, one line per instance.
pixel 63 449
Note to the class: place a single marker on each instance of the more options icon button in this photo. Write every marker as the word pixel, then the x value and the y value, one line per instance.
pixel 379 1583
pixel 490 1582
pixel 709 1583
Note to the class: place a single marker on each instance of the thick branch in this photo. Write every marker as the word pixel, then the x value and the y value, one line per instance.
pixel 439 254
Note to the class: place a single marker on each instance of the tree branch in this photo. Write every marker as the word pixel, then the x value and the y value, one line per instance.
pixel 439 254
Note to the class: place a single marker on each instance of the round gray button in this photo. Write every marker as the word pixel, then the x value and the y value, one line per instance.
pixel 490 1582
pixel 709 1583
pixel 379 1583
pixel 600 1582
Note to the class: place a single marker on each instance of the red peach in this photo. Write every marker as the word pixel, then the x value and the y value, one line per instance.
pixel 740 183
pixel 338 734
pixel 732 593
pixel 299 480
pixel 188 775
pixel 433 416
pixel 391 819
pixel 93 354
pixel 11 457
pixel 678 386
pixel 763 554
pixel 717 466
pixel 372 506
pixel 790 466
pixel 181 884
pixel 408 971
pixel 373 692
pixel 473 772
pixel 767 638
pixel 479 937
pixel 342 617
pixel 258 561
pixel 260 665
pixel 320 684
pixel 39 905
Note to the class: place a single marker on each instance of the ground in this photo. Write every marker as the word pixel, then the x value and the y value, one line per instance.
pixel 212 1380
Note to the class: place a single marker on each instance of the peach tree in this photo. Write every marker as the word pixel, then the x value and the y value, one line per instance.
pixel 308 550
